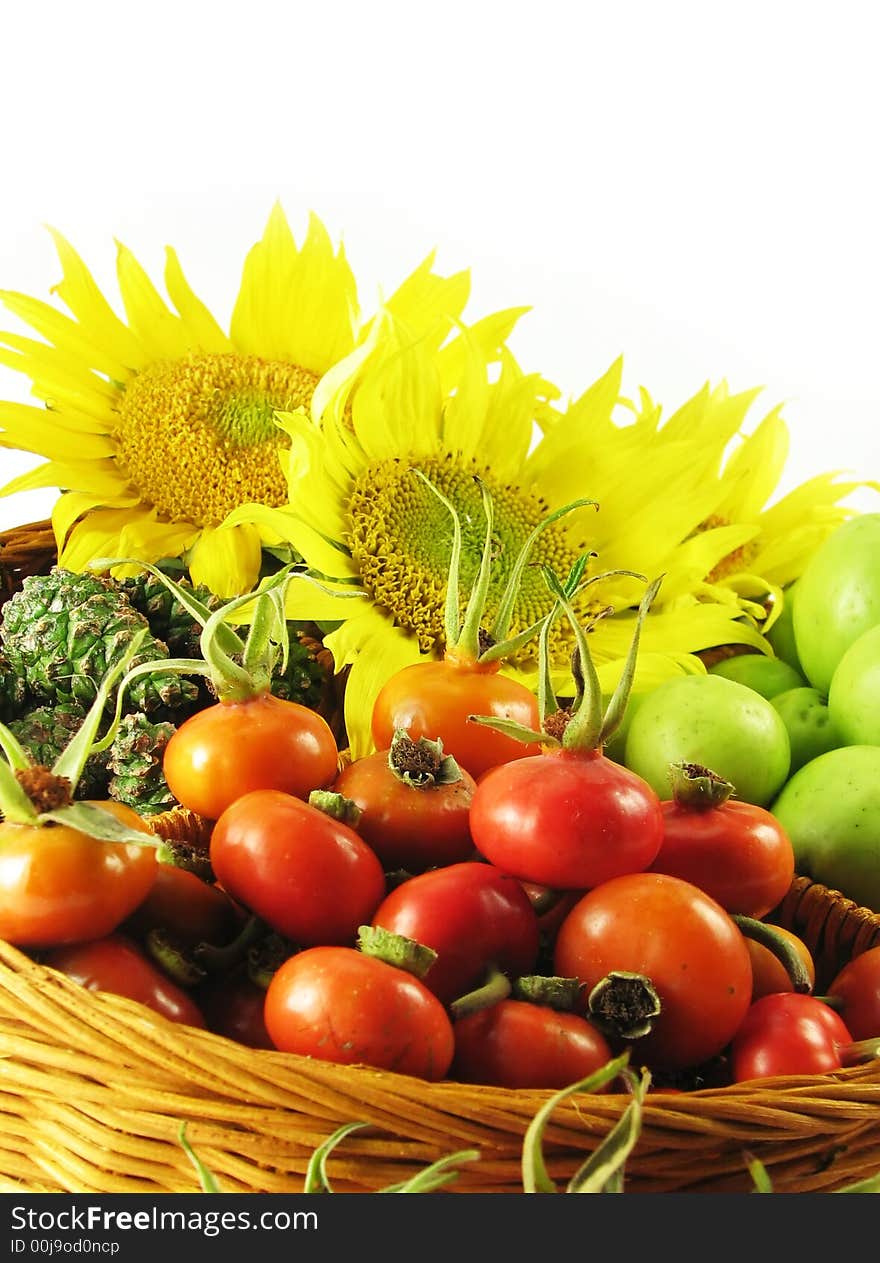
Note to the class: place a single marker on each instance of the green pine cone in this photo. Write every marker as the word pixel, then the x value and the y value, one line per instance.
pixel 13 691
pixel 168 619
pixel 135 764
pixel 63 631
pixel 45 731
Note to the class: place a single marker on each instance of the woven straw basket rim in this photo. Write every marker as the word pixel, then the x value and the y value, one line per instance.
pixel 94 1088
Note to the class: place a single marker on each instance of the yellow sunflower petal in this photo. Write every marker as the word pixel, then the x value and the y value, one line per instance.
pixel 428 304
pixel 781 558
pixel 80 407
pixel 105 533
pixel 651 669
pixel 324 317
pixel 484 337
pixel 202 329
pixel 647 414
pixel 690 627
pixel 66 511
pixel 257 325
pixel 79 291
pixel 467 402
pixel 96 478
pixel 716 412
pixel 748 586
pixel 820 496
pixel 699 555
pixel 753 471
pixel 63 332
pixel 162 332
pixel 575 432
pixel 397 407
pixel 38 430
pixel 298 305
pixel 227 559
pixel 508 426
pixel 52 370
pixel 274 525
pixel 318 492
pixel 310 602
pixel 331 395
pixel 641 519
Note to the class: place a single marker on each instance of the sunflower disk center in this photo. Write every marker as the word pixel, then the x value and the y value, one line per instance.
pixel 401 538
pixel 197 436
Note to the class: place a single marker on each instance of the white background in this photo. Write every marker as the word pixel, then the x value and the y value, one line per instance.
pixel 691 184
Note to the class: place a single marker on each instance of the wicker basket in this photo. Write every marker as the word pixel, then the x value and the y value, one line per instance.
pixel 94 1087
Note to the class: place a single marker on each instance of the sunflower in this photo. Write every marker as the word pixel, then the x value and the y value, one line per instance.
pixel 744 546
pixel 156 427
pixel 379 538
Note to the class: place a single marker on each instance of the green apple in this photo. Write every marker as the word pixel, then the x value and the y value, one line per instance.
pixel 717 723
pixel 854 696
pixel 838 597
pixel 811 730
pixel 830 809
pixel 767 676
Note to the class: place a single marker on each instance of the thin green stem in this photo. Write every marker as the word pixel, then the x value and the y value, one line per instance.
pixel 317 1180
pixel 511 588
pixel 469 636
pixel 495 988
pixel 14 802
pixel 450 611
pixel 585 725
pixel 781 947
pixel 604 1170
pixel 73 757
pixel 619 698
pixel 535 1176
pixel 193 606
pixel 547 700
pixel 16 755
